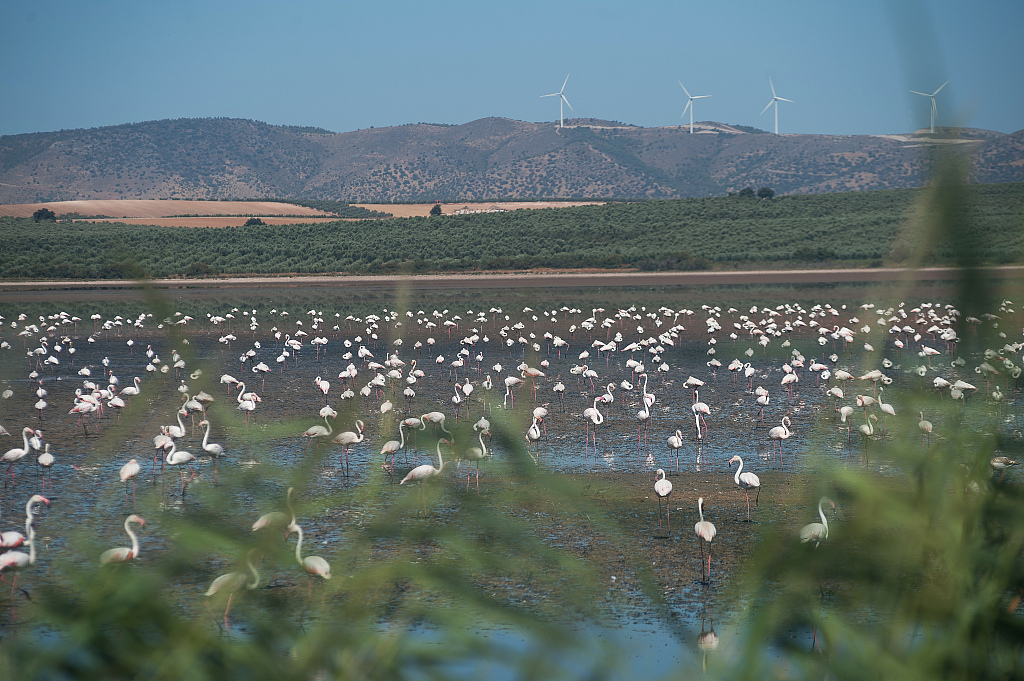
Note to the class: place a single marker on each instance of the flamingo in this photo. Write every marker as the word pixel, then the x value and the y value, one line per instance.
pixel 212 448
pixel 315 566
pixel 817 532
pixel 532 435
pixel 644 418
pixel 435 417
pixel 315 433
pixel 277 518
pixel 779 433
pixel 867 429
pixel 421 474
pixel 132 390
pixel 230 583
pixel 845 414
pixel 593 418
pixel 46 461
pixel 346 439
pixel 926 428
pixel 324 387
pixel 1001 463
pixel 747 481
pixel 675 443
pixel 246 401
pixel 124 553
pixel 128 472
pixel 559 389
pixel 178 431
pixel 663 488
pixel 183 458
pixel 762 400
pixel 15 561
pixel 700 409
pixel 705 531
pixel 510 382
pixel 391 447
pixel 475 455
pixel 887 410
pixel 17 453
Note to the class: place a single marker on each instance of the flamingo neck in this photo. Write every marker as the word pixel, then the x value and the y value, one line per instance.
pixel 824 521
pixel 26 431
pixel 170 454
pixel 483 447
pixel 31 532
pixel 737 476
pixel 401 436
pixel 440 466
pixel 288 499
pixel 135 540
pixel 255 574
pixel 206 435
pixel 700 508
pixel 298 546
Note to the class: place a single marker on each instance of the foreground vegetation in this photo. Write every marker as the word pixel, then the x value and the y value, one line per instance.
pixel 860 228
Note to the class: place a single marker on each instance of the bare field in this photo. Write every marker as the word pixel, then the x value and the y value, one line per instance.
pixel 215 222
pixel 159 208
pixel 235 213
pixel 411 210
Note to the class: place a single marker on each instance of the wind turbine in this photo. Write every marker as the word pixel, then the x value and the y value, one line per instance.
pixel 775 100
pixel 562 100
pixel 689 103
pixel 935 110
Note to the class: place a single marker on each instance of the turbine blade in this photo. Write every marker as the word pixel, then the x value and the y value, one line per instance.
pixel 940 87
pixel 563 84
pixel 688 102
pixel 767 107
pixel 699 96
pixel 553 94
pixel 684 88
pixel 567 103
pixel 772 85
pixel 923 94
pixel 785 100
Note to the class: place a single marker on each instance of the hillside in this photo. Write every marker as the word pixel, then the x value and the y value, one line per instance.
pixel 491 158
pixel 851 229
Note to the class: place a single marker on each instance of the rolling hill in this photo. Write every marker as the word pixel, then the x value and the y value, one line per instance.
pixel 486 159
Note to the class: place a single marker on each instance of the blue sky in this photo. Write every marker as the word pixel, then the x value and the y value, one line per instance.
pixel 349 65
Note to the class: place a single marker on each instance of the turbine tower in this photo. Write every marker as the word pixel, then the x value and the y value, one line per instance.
pixel 561 100
pixel 935 110
pixel 775 100
pixel 689 103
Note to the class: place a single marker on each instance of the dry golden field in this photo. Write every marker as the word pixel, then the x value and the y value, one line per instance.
pixel 174 213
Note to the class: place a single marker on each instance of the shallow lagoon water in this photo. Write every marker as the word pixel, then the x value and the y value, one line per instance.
pixel 86 493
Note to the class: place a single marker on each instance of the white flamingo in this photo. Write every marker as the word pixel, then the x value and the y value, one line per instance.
pixel 705 531
pixel 663 488
pixel 426 472
pixel 747 481
pixel 124 553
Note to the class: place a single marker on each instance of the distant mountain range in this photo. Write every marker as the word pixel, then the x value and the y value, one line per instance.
pixel 491 158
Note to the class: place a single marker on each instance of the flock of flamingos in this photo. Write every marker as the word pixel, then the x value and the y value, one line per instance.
pixel 643 384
